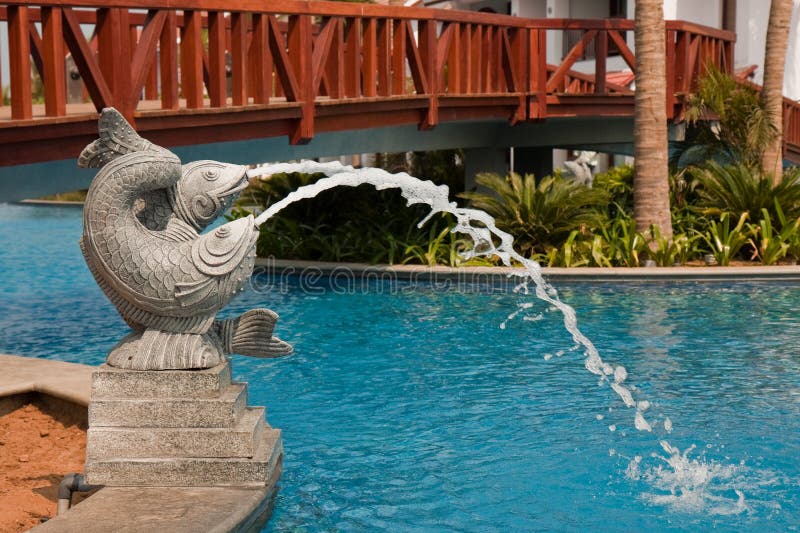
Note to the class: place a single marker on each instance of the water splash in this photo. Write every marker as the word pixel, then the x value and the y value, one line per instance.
pixel 684 481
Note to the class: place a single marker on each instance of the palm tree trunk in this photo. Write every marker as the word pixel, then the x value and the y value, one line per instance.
pixel 780 14
pixel 651 175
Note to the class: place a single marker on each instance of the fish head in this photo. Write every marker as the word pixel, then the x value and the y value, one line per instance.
pixel 206 190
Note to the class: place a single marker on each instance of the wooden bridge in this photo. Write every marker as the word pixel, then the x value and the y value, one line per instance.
pixel 193 72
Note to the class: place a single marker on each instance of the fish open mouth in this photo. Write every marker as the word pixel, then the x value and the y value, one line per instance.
pixel 238 185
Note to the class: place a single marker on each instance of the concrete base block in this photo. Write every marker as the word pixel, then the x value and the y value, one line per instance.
pixel 191 472
pixel 241 440
pixel 171 412
pixel 177 428
pixel 110 382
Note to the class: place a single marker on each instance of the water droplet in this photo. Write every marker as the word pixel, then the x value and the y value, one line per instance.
pixel 640 423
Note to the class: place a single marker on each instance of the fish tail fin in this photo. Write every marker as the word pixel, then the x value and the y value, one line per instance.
pixel 251 334
pixel 117 138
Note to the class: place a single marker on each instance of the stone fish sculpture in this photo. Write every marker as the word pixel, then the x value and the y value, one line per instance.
pixel 141 240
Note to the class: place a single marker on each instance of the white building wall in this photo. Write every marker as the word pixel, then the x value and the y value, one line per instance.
pixel 587 9
pixel 558 9
pixel 752 17
pixel 751 33
pixel 534 9
pixel 708 12
pixel 791 74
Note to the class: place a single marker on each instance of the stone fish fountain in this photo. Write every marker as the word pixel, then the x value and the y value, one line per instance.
pixel 141 241
pixel 163 409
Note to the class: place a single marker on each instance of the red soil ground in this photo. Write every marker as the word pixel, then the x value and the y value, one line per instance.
pixel 40 442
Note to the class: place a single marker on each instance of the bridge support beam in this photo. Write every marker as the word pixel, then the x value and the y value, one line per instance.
pixel 478 160
pixel 536 160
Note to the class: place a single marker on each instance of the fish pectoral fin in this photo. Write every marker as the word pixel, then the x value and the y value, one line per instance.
pixel 196 292
pixel 117 138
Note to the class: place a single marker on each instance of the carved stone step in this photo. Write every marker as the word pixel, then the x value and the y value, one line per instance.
pixel 238 441
pixel 191 472
pixel 171 412
pixel 110 382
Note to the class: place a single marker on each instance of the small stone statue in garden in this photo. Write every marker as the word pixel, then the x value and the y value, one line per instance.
pixel 582 166
pixel 141 240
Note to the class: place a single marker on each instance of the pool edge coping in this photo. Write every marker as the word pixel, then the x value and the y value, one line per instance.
pixel 487 273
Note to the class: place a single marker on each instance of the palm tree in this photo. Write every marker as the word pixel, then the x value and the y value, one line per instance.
pixel 651 177
pixel 780 14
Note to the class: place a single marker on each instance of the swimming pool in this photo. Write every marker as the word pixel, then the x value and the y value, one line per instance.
pixel 408 408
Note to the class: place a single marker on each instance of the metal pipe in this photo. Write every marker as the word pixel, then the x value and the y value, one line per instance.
pixel 71 483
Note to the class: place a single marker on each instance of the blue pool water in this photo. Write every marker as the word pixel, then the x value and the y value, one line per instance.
pixel 407 408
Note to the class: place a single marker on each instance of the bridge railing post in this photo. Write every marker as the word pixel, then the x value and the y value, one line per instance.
pixel 55 88
pixel 113 48
pixel 191 59
pixel 300 46
pixel 537 74
pixel 600 61
pixel 352 59
pixel 168 61
pixel 217 78
pixel 370 67
pixel 19 63
pixel 428 53
pixel 518 63
pixel 238 58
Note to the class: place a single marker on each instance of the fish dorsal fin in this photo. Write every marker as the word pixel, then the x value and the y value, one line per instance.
pixel 179 231
pixel 117 138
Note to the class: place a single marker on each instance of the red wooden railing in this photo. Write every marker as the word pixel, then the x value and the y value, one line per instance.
pixel 185 68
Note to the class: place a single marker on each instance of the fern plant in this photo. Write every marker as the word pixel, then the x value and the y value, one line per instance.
pixel 540 215
pixel 741 189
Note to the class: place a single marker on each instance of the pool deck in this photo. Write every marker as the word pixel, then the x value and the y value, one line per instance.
pixel 66 381
pixel 133 509
pixel 485 274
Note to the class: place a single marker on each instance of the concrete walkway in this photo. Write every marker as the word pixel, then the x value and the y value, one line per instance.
pixel 173 510
pixel 124 509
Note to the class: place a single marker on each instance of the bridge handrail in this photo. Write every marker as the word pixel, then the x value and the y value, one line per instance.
pixel 293 55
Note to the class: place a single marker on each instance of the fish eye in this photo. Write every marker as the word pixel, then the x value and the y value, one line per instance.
pixel 211 174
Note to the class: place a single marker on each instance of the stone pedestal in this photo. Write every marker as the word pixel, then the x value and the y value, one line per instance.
pixel 187 428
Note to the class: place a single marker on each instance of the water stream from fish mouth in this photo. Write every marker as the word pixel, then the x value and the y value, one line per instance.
pixel 679 481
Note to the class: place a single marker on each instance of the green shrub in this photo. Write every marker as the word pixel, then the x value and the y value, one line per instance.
pixel 741 189
pixel 769 245
pixel 540 215
pixel 742 128
pixel 670 252
pixel 723 241
pixel 356 224
pixel 626 245
pixel 618 183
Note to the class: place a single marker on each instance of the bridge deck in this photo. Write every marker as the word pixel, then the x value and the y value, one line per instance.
pixel 208 71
